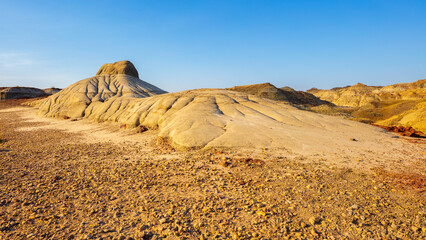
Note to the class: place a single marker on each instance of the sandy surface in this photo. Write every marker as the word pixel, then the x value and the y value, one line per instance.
pixel 390 152
pixel 81 180
pixel 88 131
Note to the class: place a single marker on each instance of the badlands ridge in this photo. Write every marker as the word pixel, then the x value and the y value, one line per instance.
pixel 402 104
pixel 206 118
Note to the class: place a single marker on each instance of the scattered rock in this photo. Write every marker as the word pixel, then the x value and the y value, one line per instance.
pixel 355 207
pixel 142 129
pixel 251 161
pixel 87 189
pixel 314 220
pixel 225 163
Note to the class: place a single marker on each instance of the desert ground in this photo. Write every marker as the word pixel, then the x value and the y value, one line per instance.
pixel 64 179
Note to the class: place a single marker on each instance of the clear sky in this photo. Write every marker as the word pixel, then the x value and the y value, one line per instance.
pixel 179 45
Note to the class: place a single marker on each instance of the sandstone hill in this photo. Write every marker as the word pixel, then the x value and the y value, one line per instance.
pixel 398 104
pixel 285 94
pixel 206 118
pixel 21 92
pixel 85 95
pixel 362 95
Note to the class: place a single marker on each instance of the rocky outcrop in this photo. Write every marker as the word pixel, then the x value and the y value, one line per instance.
pixel 404 131
pixel 121 67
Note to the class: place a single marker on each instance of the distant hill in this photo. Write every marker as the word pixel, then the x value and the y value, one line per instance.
pixel 26 92
pixel 362 95
pixel 285 94
pixel 51 90
pixel 21 92
pixel 399 104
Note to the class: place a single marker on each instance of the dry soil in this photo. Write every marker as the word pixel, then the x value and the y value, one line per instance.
pixel 64 179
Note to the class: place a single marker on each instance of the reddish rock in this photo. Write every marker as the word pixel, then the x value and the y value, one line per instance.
pixel 225 163
pixel 404 131
pixel 252 161
pixel 142 129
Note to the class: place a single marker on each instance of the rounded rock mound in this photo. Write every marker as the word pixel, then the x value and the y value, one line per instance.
pixel 121 67
pixel 111 82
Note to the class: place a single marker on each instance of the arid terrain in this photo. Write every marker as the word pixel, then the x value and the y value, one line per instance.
pixel 67 179
pixel 402 104
pixel 114 157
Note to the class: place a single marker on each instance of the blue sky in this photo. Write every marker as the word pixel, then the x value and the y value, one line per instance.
pixel 178 45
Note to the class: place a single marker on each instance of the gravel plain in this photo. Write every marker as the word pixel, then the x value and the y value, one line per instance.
pixel 56 186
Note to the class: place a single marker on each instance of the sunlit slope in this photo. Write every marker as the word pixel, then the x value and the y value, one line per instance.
pixel 398 104
pixel 222 118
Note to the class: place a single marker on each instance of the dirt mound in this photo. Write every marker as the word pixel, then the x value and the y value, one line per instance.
pixel 285 94
pixel 121 67
pixel 21 92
